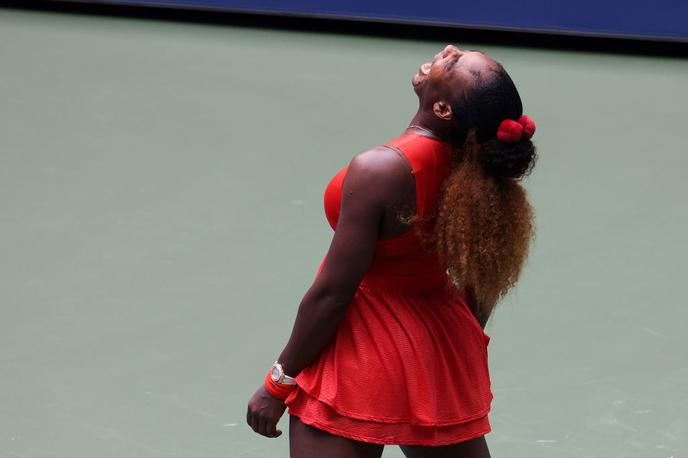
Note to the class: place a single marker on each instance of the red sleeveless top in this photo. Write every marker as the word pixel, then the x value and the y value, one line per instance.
pixel 408 364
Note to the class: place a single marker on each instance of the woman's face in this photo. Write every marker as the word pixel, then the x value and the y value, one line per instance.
pixel 451 72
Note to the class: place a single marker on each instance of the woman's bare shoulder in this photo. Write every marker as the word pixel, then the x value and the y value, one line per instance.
pixel 383 163
pixel 380 175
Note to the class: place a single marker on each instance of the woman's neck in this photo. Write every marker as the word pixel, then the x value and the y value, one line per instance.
pixel 423 124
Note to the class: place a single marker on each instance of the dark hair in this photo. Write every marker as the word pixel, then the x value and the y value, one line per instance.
pixel 483 107
pixel 484 222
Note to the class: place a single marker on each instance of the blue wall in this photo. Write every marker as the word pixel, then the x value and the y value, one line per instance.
pixel 656 19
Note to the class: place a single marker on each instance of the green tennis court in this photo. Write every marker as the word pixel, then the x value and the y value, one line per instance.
pixel 161 217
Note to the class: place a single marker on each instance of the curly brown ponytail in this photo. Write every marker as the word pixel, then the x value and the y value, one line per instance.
pixel 484 223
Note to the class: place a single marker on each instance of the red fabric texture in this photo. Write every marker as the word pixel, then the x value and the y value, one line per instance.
pixel 278 390
pixel 408 364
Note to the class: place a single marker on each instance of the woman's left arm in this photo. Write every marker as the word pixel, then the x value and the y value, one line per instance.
pixel 373 181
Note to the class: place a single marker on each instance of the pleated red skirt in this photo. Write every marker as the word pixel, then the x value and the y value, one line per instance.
pixel 408 364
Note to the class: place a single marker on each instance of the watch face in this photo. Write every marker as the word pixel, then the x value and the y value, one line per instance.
pixel 275 373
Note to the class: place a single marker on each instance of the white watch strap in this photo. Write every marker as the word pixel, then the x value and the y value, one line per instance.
pixel 286 380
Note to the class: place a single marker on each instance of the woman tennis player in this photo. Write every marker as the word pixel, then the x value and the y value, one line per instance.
pixel 431 230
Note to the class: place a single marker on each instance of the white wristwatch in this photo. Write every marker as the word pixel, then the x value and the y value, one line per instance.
pixel 278 376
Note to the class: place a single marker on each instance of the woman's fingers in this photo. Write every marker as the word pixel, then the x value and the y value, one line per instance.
pixel 254 422
pixel 258 423
pixel 262 426
pixel 270 428
pixel 264 413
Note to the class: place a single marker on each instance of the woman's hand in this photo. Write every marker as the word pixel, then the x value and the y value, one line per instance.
pixel 264 411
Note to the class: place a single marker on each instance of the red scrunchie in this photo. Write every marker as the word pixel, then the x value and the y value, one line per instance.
pixel 278 390
pixel 511 131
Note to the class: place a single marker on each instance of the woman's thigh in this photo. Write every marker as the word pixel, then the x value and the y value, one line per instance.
pixel 474 448
pixel 305 441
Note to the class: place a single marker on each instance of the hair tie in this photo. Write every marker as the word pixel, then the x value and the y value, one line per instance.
pixel 511 131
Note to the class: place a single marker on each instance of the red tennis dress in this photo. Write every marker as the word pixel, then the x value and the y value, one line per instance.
pixel 408 364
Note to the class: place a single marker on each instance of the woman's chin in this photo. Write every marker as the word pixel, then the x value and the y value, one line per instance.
pixel 417 81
